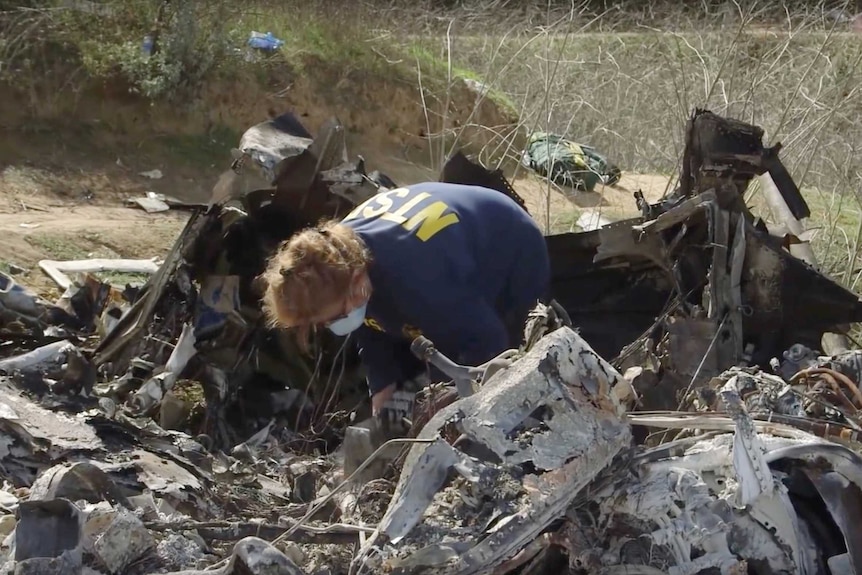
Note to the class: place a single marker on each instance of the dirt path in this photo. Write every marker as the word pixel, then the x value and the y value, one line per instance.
pixel 82 232
pixel 42 216
pixel 613 202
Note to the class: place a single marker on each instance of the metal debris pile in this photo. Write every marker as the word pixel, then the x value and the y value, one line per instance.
pixel 165 429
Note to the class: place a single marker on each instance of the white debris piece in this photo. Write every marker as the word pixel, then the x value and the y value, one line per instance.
pixel 178 551
pixel 590 220
pixel 7 524
pixel 533 436
pixel 125 541
pixel 152 391
pixel 152 174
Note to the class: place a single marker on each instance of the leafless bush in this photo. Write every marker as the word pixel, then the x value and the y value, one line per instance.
pixel 627 88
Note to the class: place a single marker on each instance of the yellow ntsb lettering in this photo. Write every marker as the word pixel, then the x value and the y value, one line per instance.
pixel 373 324
pixel 428 221
pixel 431 220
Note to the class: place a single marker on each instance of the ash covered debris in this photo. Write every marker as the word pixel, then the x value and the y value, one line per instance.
pixel 672 412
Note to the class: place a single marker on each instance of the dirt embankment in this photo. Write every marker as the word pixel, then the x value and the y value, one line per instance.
pixel 72 157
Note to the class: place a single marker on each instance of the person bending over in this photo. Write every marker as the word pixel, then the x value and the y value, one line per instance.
pixel 461 265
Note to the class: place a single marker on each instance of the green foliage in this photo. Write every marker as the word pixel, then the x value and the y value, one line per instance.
pixel 191 40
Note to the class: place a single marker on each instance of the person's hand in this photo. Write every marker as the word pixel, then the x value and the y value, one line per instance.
pixel 379 399
pixel 394 406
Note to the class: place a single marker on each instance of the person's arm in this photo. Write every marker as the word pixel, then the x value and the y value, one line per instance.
pixel 470 333
pixel 380 356
pixel 389 364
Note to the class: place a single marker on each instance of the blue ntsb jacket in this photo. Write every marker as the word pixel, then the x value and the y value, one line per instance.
pixel 449 262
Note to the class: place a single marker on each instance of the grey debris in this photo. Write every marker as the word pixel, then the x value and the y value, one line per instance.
pixel 257 557
pixel 76 481
pixel 125 540
pixel 178 551
pixel 553 413
pixel 252 556
pixel 48 537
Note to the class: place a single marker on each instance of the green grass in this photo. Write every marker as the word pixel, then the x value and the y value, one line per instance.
pixel 86 247
pixel 836 221
pixel 195 150
pixel 59 248
pixel 436 65
pixel 564 222
pixel 122 279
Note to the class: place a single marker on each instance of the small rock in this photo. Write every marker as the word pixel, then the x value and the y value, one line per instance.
pixel 125 541
pixel 293 552
pixel 254 556
pixel 16 269
pixel 7 525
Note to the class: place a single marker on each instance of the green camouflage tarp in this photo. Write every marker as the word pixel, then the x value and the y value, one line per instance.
pixel 568 163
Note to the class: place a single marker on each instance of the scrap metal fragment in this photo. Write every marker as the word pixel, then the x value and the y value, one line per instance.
pixel 56 269
pixel 843 499
pixel 76 482
pixel 32 431
pixel 459 169
pixel 749 455
pixel 131 325
pixel 271 142
pixel 125 540
pixel 48 536
pixel 42 359
pixel 151 393
pixel 530 439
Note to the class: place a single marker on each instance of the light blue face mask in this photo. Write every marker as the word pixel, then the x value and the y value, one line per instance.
pixel 350 322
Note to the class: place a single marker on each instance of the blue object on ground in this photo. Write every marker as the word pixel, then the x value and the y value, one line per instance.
pixel 266 42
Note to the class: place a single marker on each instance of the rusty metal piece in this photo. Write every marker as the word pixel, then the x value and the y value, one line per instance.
pixel 840 377
pixel 833 391
pixel 426 408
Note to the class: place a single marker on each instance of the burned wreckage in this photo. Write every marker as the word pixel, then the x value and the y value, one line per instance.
pixel 671 412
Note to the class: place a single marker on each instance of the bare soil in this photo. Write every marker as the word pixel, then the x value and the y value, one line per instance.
pixel 83 219
pixel 613 202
